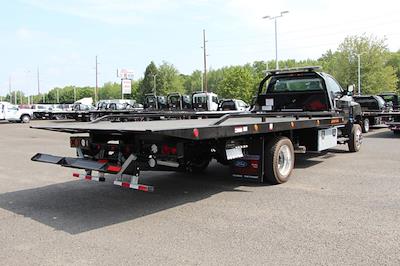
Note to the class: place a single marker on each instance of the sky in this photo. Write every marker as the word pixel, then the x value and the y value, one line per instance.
pixel 62 38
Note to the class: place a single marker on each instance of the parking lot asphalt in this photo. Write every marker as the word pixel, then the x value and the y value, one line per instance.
pixel 338 208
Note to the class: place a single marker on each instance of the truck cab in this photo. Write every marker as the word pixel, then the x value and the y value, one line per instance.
pixel 205 101
pixel 13 113
pixel 153 102
pixel 305 90
pixel 177 101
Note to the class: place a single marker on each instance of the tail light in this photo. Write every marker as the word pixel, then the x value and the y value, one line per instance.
pixel 167 150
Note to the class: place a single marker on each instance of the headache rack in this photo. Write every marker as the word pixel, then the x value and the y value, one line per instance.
pixel 294 70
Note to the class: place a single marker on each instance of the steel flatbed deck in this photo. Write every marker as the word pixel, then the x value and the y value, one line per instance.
pixel 228 126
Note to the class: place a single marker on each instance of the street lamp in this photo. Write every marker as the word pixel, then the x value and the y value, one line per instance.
pixel 154 90
pixel 276 34
pixel 359 71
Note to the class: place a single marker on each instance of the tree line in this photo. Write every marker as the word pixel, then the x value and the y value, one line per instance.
pixel 380 72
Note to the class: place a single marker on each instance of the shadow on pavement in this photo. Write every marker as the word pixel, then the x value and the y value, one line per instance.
pixel 386 134
pixel 80 206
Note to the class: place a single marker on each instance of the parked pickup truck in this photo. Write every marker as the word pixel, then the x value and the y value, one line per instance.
pixel 373 107
pixel 391 99
pixel 13 113
pixel 233 105
pixel 299 110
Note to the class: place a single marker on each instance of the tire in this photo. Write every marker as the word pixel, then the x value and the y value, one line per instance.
pixel 365 125
pixel 25 119
pixel 355 138
pixel 279 160
pixel 198 167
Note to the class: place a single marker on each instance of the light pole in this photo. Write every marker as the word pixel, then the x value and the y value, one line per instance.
pixel 154 89
pixel 276 34
pixel 359 71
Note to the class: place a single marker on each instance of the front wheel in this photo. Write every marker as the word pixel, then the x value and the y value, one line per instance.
pixel 279 160
pixel 366 126
pixel 25 119
pixel 355 138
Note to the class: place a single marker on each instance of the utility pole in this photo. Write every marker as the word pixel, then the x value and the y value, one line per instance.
pixel 205 62
pixel 38 84
pixel 9 88
pixel 38 81
pixel 97 84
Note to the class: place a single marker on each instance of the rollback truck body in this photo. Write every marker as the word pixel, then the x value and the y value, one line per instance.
pixel 296 111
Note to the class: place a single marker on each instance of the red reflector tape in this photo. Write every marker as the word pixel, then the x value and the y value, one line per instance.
pixel 88 177
pixel 196 133
pixel 113 168
pixel 126 185
pixel 75 175
pixel 143 188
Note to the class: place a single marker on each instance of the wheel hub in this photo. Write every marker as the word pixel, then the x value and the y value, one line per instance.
pixel 284 160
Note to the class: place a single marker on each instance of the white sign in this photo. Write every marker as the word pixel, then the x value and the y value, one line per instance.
pixel 124 73
pixel 126 85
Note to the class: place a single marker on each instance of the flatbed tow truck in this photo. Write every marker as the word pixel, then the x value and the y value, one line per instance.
pixel 296 111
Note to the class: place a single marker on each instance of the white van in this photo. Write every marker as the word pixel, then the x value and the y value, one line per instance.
pixel 13 113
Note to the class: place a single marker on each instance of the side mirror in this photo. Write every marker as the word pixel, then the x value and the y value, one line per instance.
pixel 350 89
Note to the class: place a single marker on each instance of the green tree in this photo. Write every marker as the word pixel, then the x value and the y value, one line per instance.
pixel 169 80
pixel 193 82
pixel 237 83
pixel 110 90
pixel 394 62
pixel 147 84
pixel 376 75
pixel 214 79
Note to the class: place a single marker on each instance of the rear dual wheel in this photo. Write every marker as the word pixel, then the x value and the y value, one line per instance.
pixel 279 160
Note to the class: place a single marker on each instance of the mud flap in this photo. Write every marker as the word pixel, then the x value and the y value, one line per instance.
pixel 251 165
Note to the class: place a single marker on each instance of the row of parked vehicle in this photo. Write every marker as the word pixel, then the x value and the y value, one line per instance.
pixel 24 113
pixel 84 110
pixel 375 106
pixel 198 101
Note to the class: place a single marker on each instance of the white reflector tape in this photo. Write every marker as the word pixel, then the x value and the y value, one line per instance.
pixel 89 177
pixel 134 186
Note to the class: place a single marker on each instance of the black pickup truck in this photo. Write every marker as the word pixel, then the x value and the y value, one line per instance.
pixel 296 111
pixel 373 109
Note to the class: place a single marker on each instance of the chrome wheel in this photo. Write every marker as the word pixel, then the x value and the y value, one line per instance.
pixel 358 138
pixel 285 160
pixel 366 125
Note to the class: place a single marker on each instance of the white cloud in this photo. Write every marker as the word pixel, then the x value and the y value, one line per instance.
pixel 122 12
